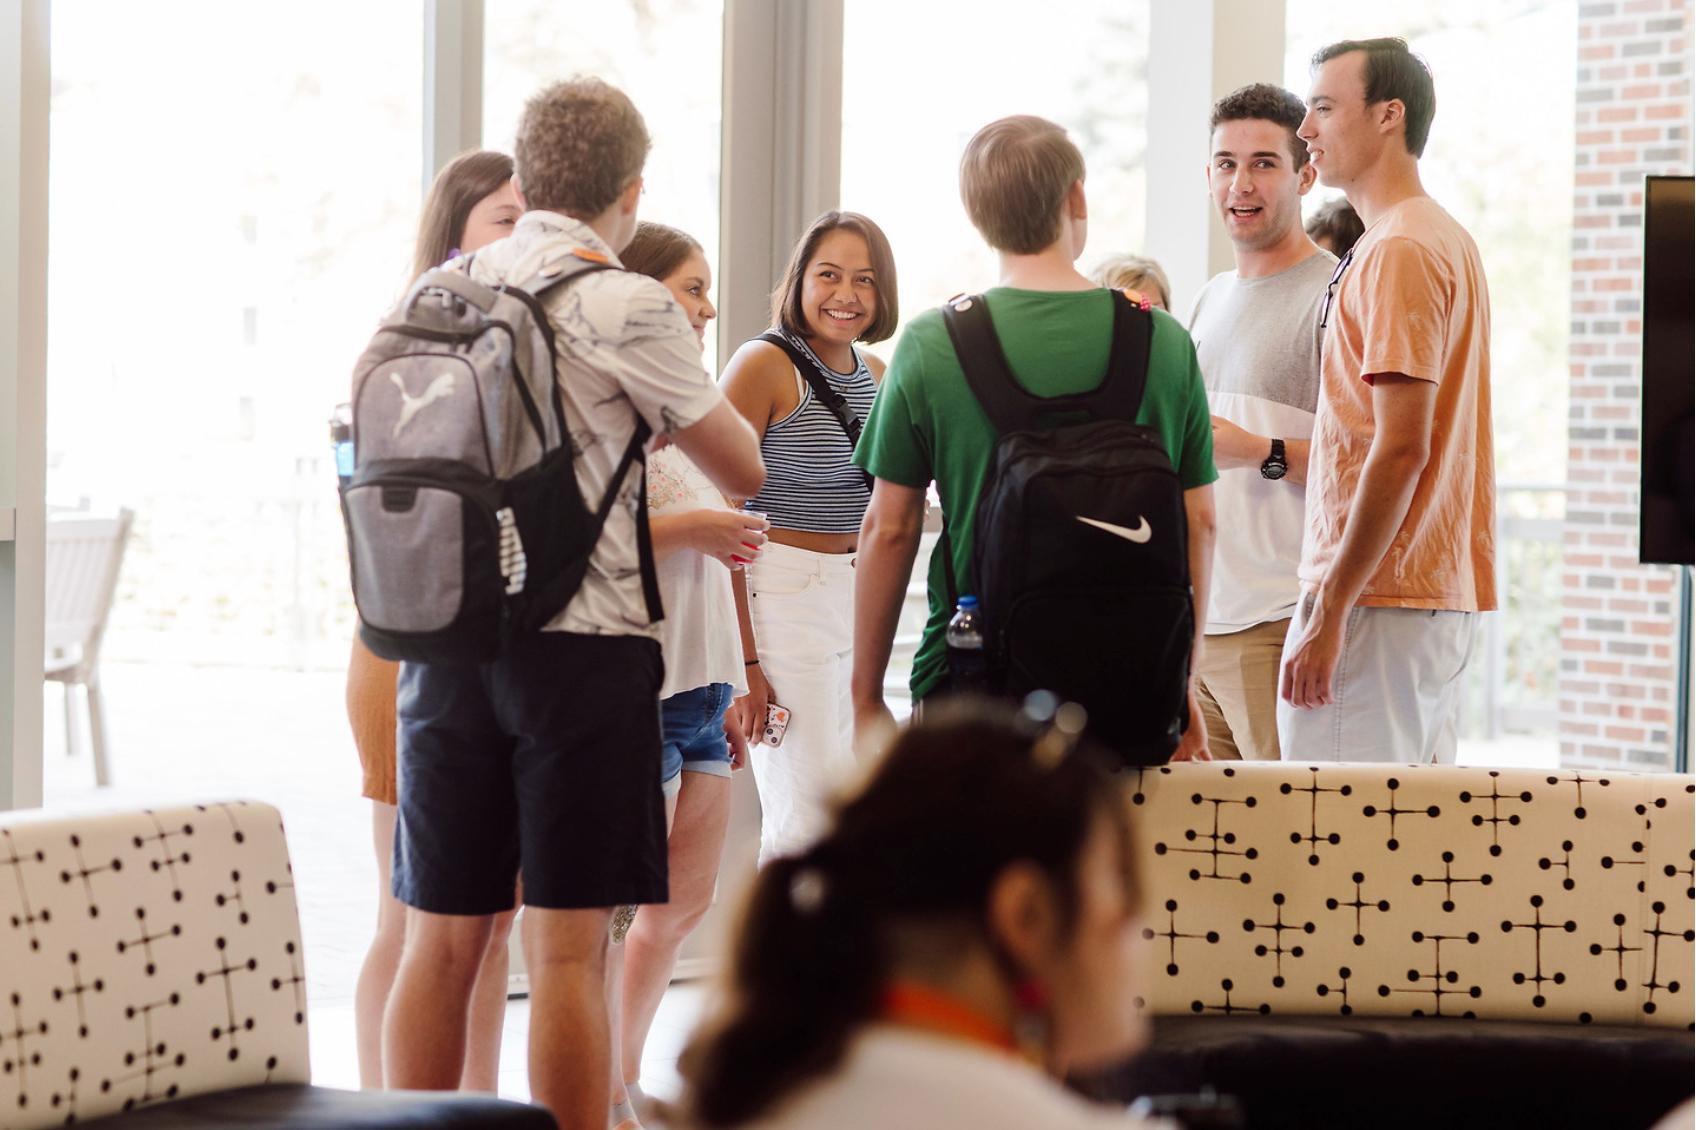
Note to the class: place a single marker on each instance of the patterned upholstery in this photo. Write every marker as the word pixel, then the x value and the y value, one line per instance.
pixel 145 956
pixel 1373 890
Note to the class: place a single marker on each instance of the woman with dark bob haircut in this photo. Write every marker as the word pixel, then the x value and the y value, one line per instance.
pixel 807 388
pixel 933 964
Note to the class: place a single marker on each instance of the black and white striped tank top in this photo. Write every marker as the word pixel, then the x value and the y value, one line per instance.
pixel 811 484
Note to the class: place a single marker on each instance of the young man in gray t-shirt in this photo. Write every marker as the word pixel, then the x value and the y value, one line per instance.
pixel 1257 337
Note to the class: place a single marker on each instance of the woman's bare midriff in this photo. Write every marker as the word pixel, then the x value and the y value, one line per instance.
pixel 814 542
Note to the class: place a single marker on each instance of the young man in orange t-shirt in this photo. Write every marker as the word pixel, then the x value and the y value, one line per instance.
pixel 1399 553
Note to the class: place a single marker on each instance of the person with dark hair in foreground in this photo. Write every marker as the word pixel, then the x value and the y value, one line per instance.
pixel 937 966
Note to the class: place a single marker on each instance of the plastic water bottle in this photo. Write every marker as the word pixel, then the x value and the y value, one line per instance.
pixel 341 440
pixel 967 664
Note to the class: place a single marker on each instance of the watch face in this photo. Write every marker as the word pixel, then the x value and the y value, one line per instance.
pixel 1272 469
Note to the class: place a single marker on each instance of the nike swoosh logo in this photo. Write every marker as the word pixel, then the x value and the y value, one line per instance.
pixel 1139 535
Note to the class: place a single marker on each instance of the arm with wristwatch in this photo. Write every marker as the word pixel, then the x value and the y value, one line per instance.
pixel 1275 458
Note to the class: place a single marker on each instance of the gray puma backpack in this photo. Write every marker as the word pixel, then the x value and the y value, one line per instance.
pixel 466 527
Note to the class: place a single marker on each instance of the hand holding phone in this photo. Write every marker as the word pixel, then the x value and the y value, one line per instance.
pixel 777 724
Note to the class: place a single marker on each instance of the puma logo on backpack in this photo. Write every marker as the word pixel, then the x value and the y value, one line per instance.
pixel 410 406
pixel 465 524
pixel 1080 552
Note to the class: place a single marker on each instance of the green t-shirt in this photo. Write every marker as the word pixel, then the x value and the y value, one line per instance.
pixel 927 425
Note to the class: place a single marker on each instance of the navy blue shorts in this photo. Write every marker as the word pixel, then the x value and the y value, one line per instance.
pixel 546 761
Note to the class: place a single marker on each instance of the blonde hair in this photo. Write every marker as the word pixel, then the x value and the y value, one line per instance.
pixel 1139 274
pixel 580 143
pixel 1014 176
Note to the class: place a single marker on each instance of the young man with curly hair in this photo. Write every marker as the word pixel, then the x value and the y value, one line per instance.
pixel 546 762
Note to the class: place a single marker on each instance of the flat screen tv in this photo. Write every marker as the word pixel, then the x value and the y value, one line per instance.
pixel 1667 525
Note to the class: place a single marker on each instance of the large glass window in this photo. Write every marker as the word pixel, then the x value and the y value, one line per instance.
pixel 228 223
pixel 911 101
pixel 665 54
pixel 226 229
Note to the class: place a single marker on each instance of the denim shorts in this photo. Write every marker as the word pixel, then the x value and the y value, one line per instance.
pixel 692 734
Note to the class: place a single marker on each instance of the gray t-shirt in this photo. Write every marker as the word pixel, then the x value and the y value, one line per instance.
pixel 1258 341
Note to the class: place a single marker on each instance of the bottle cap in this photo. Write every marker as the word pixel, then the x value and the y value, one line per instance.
pixel 968 602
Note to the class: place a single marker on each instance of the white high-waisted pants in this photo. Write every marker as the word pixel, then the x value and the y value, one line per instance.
pixel 802 606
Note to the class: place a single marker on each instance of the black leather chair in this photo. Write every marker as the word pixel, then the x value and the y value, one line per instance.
pixel 297 1107
pixel 1320 1073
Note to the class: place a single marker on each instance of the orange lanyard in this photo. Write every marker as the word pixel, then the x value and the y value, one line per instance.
pixel 920 1007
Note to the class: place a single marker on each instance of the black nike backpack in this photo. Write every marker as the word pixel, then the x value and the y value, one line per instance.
pixel 1081 553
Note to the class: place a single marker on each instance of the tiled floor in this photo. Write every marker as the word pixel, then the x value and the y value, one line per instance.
pixel 184 732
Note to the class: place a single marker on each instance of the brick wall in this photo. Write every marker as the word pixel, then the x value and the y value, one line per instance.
pixel 1618 627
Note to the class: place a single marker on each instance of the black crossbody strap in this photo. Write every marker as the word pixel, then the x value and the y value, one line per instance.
pixel 1010 408
pixel 823 392
pixel 644 536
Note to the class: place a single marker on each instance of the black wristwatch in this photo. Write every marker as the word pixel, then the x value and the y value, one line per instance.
pixel 1275 466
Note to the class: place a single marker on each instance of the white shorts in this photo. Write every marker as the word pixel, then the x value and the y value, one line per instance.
pixel 1395 693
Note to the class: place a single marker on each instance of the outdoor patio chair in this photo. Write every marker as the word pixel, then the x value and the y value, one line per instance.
pixel 84 553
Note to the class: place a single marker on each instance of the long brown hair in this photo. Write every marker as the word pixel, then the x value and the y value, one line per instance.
pixel 657 250
pixel 786 311
pixel 957 800
pixel 462 182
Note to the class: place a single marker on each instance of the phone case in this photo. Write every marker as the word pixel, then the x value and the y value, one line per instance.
pixel 777 724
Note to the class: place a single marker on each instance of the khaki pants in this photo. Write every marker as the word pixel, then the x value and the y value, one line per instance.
pixel 1237 686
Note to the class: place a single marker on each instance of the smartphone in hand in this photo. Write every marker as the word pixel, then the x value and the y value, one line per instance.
pixel 777 724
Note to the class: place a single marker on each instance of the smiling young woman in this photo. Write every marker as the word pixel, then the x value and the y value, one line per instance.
pixel 805 386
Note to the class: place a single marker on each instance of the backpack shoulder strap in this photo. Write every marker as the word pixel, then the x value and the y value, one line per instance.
pixel 568 268
pixel 634 452
pixel 1119 397
pixel 985 366
pixel 823 392
pixel 1011 408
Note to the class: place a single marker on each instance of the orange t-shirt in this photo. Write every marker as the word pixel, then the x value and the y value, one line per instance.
pixel 1412 301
